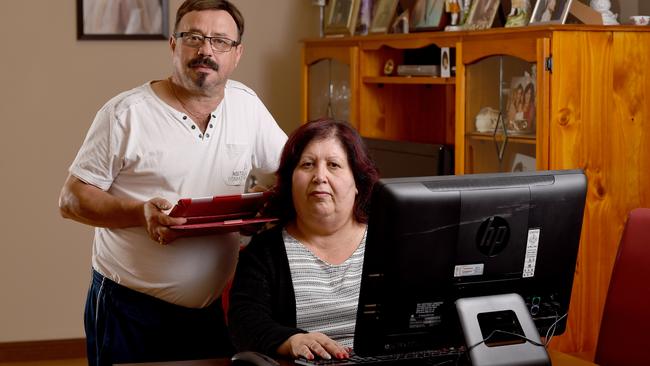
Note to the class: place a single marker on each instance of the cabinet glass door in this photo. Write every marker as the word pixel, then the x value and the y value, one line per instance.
pixel 500 112
pixel 329 90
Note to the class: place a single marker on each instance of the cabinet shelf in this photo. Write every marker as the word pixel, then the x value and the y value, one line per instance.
pixel 521 139
pixel 422 80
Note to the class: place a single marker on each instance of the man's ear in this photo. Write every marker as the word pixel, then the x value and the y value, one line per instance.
pixel 240 51
pixel 172 43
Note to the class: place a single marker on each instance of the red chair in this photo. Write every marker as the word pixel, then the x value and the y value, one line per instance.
pixel 624 337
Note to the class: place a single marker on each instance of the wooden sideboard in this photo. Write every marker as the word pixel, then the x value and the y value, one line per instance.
pixel 593 113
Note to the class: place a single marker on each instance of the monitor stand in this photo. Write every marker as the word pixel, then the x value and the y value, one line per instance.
pixel 482 316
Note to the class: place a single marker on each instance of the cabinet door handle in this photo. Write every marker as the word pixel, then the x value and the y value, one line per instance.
pixel 548 64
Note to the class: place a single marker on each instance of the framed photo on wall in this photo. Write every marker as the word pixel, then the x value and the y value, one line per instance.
pixel 119 19
pixel 427 15
pixel 550 11
pixel 382 16
pixel 341 16
pixel 481 14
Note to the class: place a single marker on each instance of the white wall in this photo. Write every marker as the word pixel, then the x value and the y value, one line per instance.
pixel 51 86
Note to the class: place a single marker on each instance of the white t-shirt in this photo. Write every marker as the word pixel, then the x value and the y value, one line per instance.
pixel 139 147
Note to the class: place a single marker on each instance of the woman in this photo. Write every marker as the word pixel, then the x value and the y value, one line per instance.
pixel 296 288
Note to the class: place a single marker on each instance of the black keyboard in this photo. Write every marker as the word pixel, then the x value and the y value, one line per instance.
pixel 445 356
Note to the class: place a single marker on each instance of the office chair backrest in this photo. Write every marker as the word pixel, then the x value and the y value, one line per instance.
pixel 624 337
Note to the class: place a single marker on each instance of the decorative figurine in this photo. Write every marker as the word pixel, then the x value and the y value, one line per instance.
pixel 486 120
pixel 453 8
pixel 519 12
pixel 602 6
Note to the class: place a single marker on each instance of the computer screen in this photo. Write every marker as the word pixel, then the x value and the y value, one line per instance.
pixel 432 240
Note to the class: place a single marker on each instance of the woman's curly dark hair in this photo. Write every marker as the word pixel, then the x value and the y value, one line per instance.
pixel 363 168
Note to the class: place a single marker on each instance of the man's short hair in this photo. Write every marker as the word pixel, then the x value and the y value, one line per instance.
pixel 199 5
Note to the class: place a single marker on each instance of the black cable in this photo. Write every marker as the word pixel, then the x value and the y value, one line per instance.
pixel 508 333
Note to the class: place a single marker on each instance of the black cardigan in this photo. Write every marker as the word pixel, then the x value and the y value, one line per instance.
pixel 262 308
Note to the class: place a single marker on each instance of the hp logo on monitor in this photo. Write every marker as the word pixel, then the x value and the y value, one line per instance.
pixel 492 236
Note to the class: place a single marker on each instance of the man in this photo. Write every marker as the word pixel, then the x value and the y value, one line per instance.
pixel 155 295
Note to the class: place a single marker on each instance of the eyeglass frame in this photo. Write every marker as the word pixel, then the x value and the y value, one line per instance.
pixel 232 43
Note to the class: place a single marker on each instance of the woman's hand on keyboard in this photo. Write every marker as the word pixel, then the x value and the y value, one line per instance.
pixel 310 345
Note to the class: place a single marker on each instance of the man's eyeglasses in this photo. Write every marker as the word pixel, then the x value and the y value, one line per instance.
pixel 195 40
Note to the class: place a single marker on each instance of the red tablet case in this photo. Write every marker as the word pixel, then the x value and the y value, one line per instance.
pixel 221 213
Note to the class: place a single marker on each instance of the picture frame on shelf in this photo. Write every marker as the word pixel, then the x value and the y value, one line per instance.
pixel 519 113
pixel 382 15
pixel 142 20
pixel 341 17
pixel 481 14
pixel 427 15
pixel 445 62
pixel 401 23
pixel 364 17
pixel 550 12
pixel 523 163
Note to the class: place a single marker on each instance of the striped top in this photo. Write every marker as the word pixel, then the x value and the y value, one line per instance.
pixel 326 295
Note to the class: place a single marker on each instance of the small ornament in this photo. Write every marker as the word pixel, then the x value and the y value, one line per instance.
pixel 603 6
pixel 389 67
pixel 519 13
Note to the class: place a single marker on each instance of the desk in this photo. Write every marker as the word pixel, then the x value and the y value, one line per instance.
pixel 557 358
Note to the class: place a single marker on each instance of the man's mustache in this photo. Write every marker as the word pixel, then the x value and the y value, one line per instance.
pixel 204 61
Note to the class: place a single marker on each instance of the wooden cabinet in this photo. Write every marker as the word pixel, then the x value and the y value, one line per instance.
pixel 330 81
pixel 418 109
pixel 592 112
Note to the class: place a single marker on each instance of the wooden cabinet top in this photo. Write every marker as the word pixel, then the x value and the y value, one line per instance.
pixel 448 39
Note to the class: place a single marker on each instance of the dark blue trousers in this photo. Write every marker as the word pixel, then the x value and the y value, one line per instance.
pixel 124 326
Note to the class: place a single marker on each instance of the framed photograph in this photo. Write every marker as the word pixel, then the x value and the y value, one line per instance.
pixel 523 163
pixel 382 16
pixel 445 62
pixel 401 23
pixel 550 12
pixel 481 14
pixel 143 19
pixel 363 20
pixel 519 116
pixel 341 16
pixel 427 15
